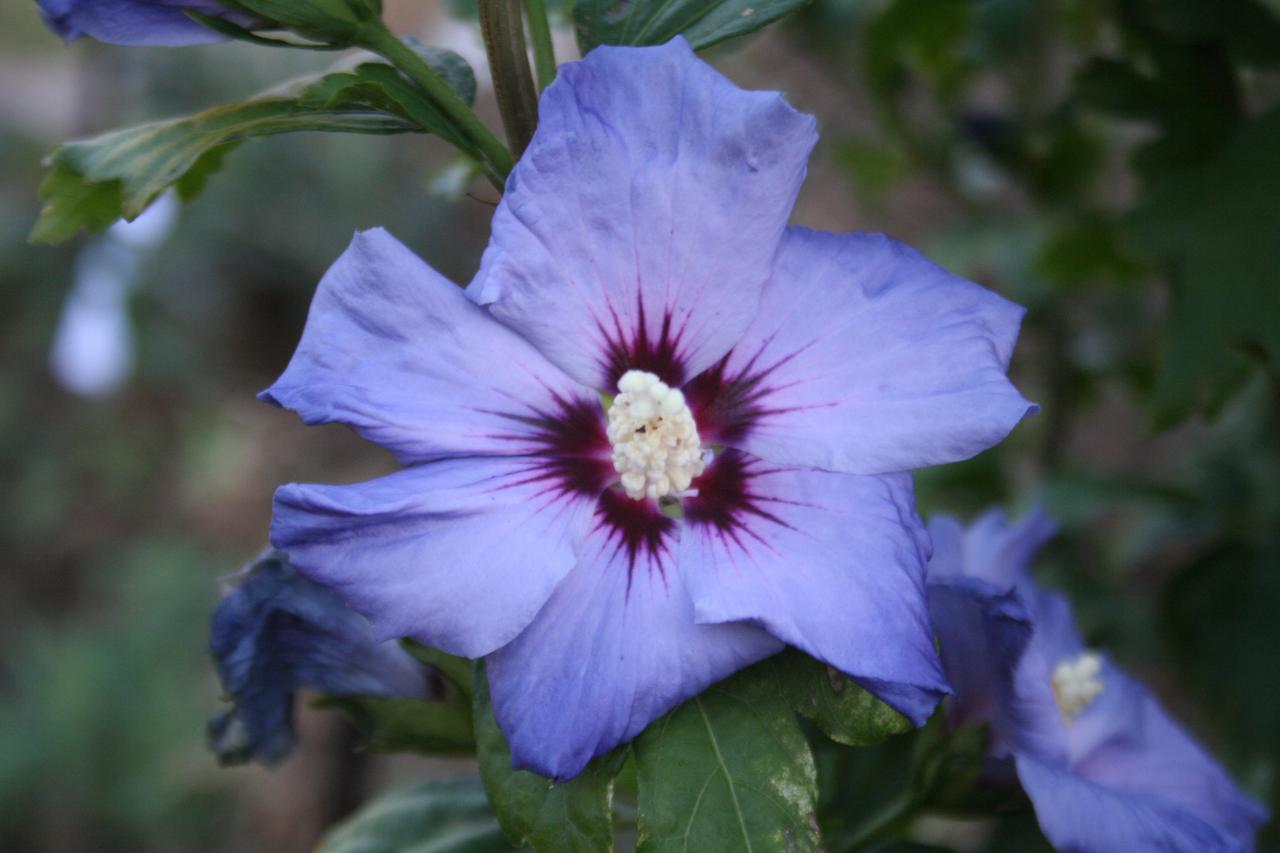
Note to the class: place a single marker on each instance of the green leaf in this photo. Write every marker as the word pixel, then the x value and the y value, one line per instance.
pixel 841 709
pixel 702 22
pixel 728 770
pixel 72 203
pixel 435 816
pixel 94 182
pixel 1218 225
pixel 331 21
pixel 533 810
pixel 407 725
pixel 456 671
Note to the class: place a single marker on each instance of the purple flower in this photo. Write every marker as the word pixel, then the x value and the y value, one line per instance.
pixel 134 22
pixel 1105 767
pixel 275 633
pixel 745 487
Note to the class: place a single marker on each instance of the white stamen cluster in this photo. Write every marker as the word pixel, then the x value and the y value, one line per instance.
pixel 1076 684
pixel 655 441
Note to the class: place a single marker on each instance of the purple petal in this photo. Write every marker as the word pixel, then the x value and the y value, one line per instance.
pixel 399 353
pixel 829 563
pixel 458 554
pixel 639 226
pixel 864 358
pixel 1077 814
pixel 134 22
pixel 615 647
pixel 1126 742
pixel 982 633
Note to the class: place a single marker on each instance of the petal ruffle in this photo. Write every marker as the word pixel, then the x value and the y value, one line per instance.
pixel 865 358
pixel 639 226
pixel 615 647
pixel 830 563
pixel 457 554
pixel 1079 815
pixel 399 353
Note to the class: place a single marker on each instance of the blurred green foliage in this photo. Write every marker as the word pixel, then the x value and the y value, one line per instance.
pixel 1111 164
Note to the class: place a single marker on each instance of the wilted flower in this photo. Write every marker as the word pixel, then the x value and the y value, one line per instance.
pixel 276 633
pixel 764 388
pixel 1105 767
pixel 134 22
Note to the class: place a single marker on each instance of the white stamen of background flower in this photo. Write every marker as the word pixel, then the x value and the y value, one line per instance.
pixel 1076 684
pixel 655 441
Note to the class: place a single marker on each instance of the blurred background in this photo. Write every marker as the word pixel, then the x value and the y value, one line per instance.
pixel 1114 166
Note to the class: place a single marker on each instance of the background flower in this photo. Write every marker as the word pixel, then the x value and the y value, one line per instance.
pixel 644 235
pixel 1104 765
pixel 276 633
pixel 135 22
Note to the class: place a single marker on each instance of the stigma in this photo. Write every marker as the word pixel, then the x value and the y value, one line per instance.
pixel 656 448
pixel 1076 684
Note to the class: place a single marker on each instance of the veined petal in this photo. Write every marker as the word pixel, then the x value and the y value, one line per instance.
pixel 397 352
pixel 829 563
pixel 1077 814
pixel 639 226
pixel 615 647
pixel 865 358
pixel 457 554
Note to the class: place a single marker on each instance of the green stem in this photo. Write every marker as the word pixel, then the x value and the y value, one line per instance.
pixel 503 31
pixel 382 41
pixel 544 53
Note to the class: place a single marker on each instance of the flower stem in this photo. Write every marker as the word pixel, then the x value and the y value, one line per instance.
pixel 503 31
pixel 382 41
pixel 544 53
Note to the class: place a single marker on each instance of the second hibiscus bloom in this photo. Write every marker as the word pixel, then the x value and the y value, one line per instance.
pixel 661 434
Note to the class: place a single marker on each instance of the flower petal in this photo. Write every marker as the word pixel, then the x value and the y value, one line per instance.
pixel 135 22
pixel 982 633
pixel 830 563
pixel 615 647
pixel 1077 814
pixel 399 353
pixel 457 554
pixel 277 632
pixel 639 226
pixel 866 358
pixel 1126 742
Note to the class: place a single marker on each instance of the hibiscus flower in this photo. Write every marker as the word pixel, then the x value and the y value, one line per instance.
pixel 1103 764
pixel 661 434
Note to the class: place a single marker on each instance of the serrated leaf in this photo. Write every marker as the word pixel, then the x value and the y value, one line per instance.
pixel 841 709
pixel 702 22
pixel 1219 225
pixel 435 816
pixel 533 810
pixel 407 725
pixel 728 770
pixel 72 203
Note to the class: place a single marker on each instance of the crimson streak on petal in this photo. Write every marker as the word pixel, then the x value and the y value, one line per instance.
pixel 636 527
pixel 726 502
pixel 573 449
pixel 727 402
pixel 634 350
